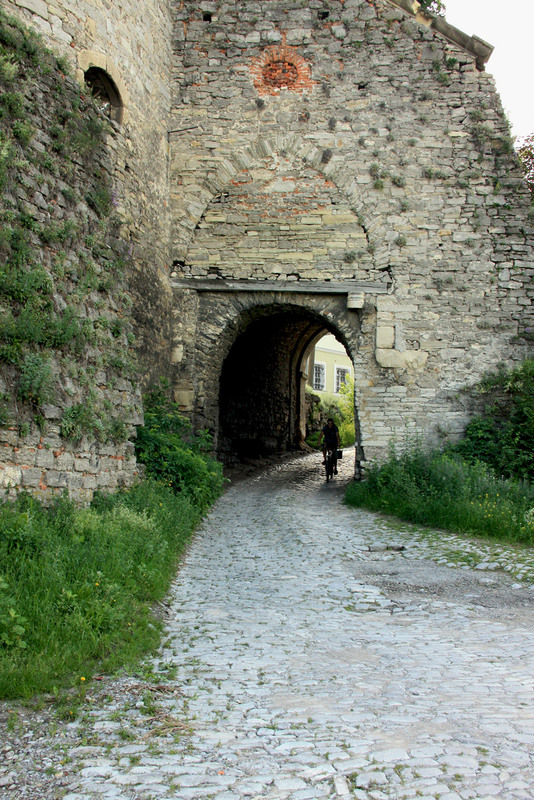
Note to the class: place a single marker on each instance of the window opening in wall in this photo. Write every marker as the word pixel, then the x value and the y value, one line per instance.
pixel 319 377
pixel 341 377
pixel 206 16
pixel 105 93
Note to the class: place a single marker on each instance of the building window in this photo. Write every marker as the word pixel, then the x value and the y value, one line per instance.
pixel 341 377
pixel 319 377
pixel 105 93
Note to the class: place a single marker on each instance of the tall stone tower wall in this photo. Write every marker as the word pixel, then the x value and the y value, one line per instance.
pixel 131 42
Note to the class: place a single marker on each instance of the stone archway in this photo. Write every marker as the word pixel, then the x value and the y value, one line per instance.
pixel 263 379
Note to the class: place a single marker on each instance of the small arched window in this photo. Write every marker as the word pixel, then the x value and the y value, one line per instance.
pixel 105 92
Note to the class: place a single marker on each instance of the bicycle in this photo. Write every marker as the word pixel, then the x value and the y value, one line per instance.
pixel 330 464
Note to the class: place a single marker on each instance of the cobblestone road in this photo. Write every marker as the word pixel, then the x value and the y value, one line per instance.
pixel 308 656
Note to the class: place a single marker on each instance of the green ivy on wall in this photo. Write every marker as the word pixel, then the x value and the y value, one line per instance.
pixel 63 304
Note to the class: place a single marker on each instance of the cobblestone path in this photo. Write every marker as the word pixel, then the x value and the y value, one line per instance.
pixel 308 656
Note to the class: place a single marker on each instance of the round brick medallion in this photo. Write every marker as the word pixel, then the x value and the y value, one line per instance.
pixel 280 73
pixel 280 67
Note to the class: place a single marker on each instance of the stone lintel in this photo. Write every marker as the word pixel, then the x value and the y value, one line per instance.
pixel 412 360
pixel 302 287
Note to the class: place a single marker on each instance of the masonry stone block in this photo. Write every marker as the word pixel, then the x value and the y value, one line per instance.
pixel 385 336
pixel 10 476
pixel 38 7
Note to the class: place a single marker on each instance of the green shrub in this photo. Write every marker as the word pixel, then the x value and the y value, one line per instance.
pixel 346 428
pixel 174 455
pixel 503 436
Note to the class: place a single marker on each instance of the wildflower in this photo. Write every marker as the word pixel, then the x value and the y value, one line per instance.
pixel 82 678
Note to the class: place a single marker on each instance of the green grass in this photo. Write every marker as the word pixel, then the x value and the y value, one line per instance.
pixel 77 585
pixel 443 491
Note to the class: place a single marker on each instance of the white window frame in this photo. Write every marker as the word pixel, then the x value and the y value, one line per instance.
pixel 322 365
pixel 338 383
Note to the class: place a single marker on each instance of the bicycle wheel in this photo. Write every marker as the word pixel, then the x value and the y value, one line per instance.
pixel 329 467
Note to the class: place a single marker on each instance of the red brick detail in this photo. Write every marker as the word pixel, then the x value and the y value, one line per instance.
pixel 281 67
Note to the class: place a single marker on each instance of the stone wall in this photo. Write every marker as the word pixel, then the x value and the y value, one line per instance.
pixel 349 142
pixel 349 163
pixel 69 393
pixel 133 46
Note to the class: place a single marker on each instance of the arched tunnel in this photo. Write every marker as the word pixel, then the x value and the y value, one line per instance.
pixel 262 385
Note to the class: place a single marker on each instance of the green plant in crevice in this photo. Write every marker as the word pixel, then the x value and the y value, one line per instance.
pixel 100 198
pixel 23 131
pixel 35 384
pixel 8 69
pixel 441 76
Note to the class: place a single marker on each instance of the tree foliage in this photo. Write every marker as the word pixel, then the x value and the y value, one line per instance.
pixel 174 455
pixel 525 153
pixel 434 6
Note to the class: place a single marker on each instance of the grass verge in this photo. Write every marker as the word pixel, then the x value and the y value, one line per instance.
pixel 443 491
pixel 77 584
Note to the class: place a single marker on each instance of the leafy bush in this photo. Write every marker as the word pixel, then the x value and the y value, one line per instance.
pixel 503 436
pixel 346 402
pixel 174 455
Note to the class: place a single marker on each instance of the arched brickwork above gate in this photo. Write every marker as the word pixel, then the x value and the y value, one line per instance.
pixel 278 220
pixel 209 183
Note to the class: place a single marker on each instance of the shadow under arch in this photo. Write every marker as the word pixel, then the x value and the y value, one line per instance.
pixel 262 384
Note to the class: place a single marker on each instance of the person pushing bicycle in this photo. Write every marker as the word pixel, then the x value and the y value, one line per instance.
pixel 330 434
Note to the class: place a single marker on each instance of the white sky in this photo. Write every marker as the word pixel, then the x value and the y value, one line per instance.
pixel 509 27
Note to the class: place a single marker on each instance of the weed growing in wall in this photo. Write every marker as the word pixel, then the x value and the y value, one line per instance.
pixel 63 305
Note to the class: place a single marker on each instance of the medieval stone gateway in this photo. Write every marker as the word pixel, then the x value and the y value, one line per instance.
pixel 289 169
pixel 251 354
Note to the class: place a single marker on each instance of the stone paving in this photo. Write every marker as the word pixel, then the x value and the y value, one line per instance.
pixel 314 651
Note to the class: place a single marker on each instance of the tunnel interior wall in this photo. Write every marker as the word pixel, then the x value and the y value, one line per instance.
pixel 260 388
